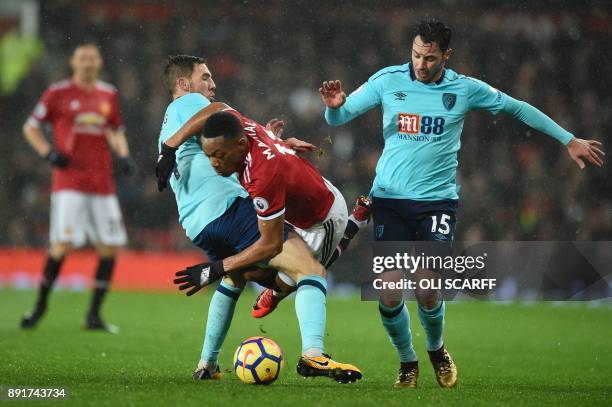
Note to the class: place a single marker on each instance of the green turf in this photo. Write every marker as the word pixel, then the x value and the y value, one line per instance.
pixel 511 354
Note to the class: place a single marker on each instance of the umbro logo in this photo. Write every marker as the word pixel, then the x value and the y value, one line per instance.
pixel 440 237
pixel 400 95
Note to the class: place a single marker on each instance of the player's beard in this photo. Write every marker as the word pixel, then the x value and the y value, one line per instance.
pixel 435 71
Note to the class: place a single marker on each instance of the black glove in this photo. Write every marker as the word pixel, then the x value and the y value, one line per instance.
pixel 57 159
pixel 165 165
pixel 199 276
pixel 126 167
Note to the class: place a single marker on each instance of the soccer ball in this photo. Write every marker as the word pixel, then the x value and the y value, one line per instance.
pixel 258 360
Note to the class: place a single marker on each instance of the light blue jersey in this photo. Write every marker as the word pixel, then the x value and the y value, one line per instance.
pixel 201 194
pixel 422 126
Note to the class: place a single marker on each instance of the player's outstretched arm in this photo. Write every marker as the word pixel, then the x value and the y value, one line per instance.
pixel 340 108
pixel 578 149
pixel 276 127
pixel 300 146
pixel 581 150
pixel 332 94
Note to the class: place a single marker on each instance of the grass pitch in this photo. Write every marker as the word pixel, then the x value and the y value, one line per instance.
pixel 507 354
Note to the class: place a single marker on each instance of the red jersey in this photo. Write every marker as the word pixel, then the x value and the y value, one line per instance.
pixel 280 182
pixel 80 120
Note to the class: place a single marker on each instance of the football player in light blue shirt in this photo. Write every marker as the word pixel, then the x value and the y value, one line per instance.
pixel 201 194
pixel 415 191
pixel 215 212
pixel 219 218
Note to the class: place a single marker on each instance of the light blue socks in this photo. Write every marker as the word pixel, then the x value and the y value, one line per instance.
pixel 433 324
pixel 310 308
pixel 397 323
pixel 220 313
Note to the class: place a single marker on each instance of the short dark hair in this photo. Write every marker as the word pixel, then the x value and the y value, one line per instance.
pixel 434 30
pixel 178 66
pixel 222 124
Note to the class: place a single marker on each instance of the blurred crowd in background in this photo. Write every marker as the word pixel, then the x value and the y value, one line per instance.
pixel 269 59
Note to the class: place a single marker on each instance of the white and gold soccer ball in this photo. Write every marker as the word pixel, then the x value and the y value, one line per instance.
pixel 258 360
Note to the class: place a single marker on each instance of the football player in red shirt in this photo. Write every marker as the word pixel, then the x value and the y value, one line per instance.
pixel 268 300
pixel 284 187
pixel 84 114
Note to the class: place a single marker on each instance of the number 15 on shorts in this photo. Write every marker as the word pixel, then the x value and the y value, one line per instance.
pixel 442 226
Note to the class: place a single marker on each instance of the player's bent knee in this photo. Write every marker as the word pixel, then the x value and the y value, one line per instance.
pixel 308 267
pixel 390 296
pixel 427 298
pixel 318 270
pixel 390 302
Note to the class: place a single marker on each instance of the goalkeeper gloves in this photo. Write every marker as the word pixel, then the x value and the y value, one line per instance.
pixel 165 165
pixel 199 276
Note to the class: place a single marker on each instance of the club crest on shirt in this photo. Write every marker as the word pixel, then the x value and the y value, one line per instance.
pixel 449 100
pixel 105 108
pixel 261 204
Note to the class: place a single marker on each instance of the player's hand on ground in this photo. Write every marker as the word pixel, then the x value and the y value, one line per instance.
pixel 332 94
pixel 57 159
pixel 198 276
pixel 165 165
pixel 589 150
pixel 300 146
pixel 276 127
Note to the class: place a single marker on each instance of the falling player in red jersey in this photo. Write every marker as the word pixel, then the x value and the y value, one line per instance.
pixel 282 185
pixel 84 114
pixel 268 300
pixel 286 190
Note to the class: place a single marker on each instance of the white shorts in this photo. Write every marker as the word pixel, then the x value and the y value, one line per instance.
pixel 324 237
pixel 78 216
